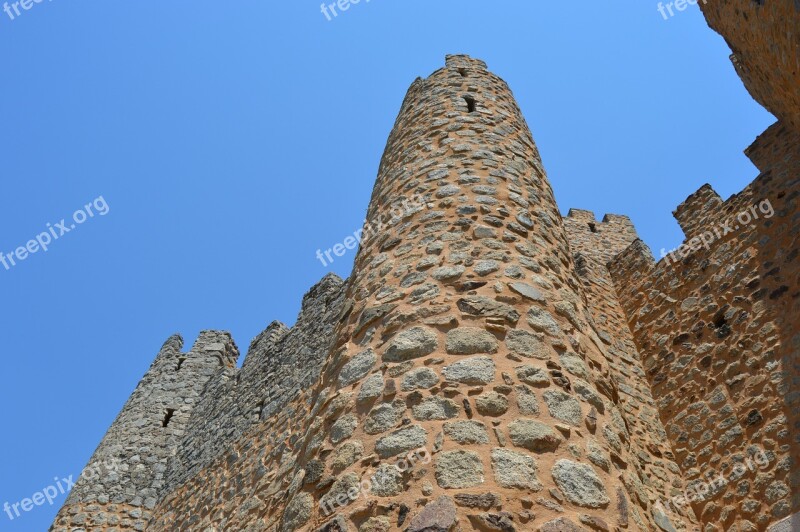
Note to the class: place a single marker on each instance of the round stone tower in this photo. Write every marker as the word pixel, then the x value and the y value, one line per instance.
pixel 467 383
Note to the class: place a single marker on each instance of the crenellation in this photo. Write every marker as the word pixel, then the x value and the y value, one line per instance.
pixel 241 399
pixel 601 241
pixel 128 468
pixel 699 211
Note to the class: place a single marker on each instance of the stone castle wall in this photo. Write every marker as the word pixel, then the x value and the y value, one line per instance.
pixel 530 371
pixel 594 244
pixel 125 477
pixel 140 461
pixel 234 404
pixel 720 339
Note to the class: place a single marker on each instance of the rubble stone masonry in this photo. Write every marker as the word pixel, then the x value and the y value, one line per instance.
pixel 491 365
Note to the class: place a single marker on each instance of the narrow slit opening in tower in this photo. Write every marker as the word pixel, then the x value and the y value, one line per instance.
pixel 181 360
pixel 168 417
pixel 463 72
pixel 470 103
pixel 593 228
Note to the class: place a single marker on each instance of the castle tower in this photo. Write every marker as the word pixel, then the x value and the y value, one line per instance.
pixel 467 343
pixel 124 478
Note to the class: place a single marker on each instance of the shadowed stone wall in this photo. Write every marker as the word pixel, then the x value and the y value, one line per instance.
pixel 279 363
pixel 720 339
pixel 125 477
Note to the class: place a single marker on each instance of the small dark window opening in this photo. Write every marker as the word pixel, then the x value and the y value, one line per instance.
pixel 470 103
pixel 180 363
pixel 721 325
pixel 463 72
pixel 593 228
pixel 168 417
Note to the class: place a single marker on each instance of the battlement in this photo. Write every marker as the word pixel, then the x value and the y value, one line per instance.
pixel 280 362
pixel 464 61
pixel 600 241
pixel 698 211
pixel 765 150
pixel 633 264
pixel 129 464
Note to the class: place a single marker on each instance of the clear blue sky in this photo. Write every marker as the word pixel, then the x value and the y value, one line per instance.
pixel 231 140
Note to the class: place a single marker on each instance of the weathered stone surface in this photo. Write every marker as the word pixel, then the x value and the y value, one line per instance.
pixel 491 404
pixel 459 470
pixel 347 454
pixel 484 501
pixel 387 481
pixel 371 315
pixel 542 321
pixel 586 392
pixel 562 524
pixel 488 308
pixel 470 341
pixel 298 512
pixel 527 344
pixel 343 492
pixel 527 291
pixel 376 524
pixel 515 470
pixel 437 516
pixel 358 367
pixel 419 379
pixel 384 416
pixel 594 523
pixel 412 343
pixel 534 436
pixel 447 273
pixel 501 522
pixel 435 408
pixel 580 484
pixel 372 388
pixel 533 376
pixel 402 441
pixel 526 401
pixel 477 370
pixel 467 432
pixel 485 267
pixel 337 524
pixel 575 365
pixel 563 407
pixel 596 454
pixel 663 521
pixel 344 427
